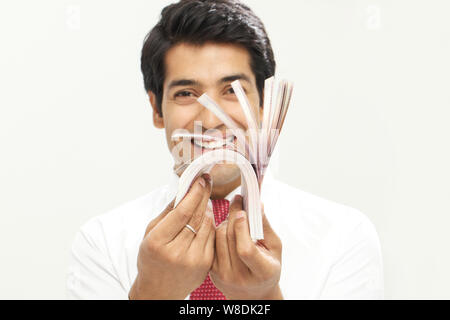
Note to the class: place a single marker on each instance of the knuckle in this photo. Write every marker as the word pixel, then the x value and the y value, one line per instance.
pixel 197 218
pixel 150 227
pixel 150 246
pixel 197 191
pixel 152 224
pixel 245 251
pixel 207 222
pixel 278 245
pixel 172 258
pixel 183 213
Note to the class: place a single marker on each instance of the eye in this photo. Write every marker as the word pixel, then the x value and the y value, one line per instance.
pixel 183 94
pixel 230 90
pixel 184 97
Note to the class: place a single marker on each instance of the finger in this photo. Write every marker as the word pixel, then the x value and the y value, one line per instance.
pixel 215 266
pixel 155 221
pixel 236 204
pixel 236 263
pixel 222 253
pixel 210 244
pixel 199 242
pixel 186 235
pixel 173 223
pixel 246 248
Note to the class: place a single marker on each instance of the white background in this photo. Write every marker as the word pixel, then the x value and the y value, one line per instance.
pixel 368 126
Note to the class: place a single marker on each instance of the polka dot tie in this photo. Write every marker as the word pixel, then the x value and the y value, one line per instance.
pixel 208 291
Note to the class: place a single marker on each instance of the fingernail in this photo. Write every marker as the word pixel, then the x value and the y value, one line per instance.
pixel 202 182
pixel 208 179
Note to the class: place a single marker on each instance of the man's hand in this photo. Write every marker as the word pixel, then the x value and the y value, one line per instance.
pixel 243 269
pixel 172 260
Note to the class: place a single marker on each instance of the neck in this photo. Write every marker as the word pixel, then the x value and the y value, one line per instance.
pixel 220 192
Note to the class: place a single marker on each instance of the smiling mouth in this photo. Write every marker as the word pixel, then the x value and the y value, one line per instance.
pixel 211 144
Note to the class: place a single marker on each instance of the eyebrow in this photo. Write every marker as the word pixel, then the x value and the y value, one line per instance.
pixel 183 82
pixel 191 82
pixel 234 77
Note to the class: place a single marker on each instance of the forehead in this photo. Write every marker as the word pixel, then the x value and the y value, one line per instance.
pixel 206 63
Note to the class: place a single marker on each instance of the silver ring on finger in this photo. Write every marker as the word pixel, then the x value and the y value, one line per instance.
pixel 190 228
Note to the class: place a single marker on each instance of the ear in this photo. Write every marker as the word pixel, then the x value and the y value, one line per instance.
pixel 158 120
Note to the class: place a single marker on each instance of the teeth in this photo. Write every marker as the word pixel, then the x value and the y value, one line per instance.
pixel 213 144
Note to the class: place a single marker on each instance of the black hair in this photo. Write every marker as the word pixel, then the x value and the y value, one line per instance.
pixel 198 22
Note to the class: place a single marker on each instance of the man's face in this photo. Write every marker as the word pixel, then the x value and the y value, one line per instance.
pixel 210 68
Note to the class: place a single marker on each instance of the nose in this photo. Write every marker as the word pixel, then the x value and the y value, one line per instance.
pixel 208 119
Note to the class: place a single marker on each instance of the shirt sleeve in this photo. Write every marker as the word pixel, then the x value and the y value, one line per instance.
pixel 91 274
pixel 357 272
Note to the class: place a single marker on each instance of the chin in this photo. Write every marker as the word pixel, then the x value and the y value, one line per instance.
pixel 223 174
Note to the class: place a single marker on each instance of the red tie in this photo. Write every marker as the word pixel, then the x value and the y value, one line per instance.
pixel 208 291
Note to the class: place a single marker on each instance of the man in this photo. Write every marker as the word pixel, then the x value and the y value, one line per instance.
pixel 201 249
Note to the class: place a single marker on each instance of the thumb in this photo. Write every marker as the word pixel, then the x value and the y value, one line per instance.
pixel 245 247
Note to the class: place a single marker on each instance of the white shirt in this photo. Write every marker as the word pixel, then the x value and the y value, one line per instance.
pixel 330 251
